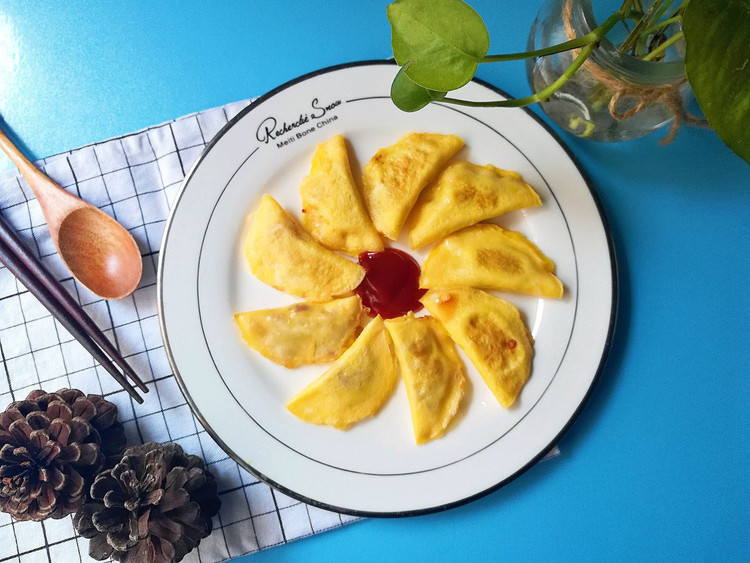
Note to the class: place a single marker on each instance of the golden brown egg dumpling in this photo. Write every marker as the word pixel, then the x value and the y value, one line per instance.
pixel 491 333
pixel 433 373
pixel 332 207
pixel 303 333
pixel 464 195
pixel 282 255
pixel 355 386
pixel 396 175
pixel 489 257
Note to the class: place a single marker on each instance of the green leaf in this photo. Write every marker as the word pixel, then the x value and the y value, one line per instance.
pixel 444 40
pixel 410 96
pixel 717 61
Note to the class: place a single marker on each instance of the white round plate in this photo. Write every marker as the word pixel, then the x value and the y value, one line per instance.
pixel 375 468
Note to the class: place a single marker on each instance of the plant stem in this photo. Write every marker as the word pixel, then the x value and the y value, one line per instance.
pixel 662 25
pixel 538 96
pixel 588 42
pixel 664 46
pixel 590 38
pixel 644 21
pixel 660 12
pixel 681 7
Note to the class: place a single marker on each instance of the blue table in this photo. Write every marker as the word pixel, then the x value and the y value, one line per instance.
pixel 656 467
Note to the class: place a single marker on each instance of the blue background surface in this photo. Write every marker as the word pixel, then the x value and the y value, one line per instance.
pixel 656 467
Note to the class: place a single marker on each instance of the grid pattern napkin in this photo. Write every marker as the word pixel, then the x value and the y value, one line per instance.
pixel 134 178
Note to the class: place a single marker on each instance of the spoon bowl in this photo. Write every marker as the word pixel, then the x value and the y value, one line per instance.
pixel 99 252
pixel 104 258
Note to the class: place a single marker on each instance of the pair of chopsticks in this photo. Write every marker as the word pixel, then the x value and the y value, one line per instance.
pixel 42 285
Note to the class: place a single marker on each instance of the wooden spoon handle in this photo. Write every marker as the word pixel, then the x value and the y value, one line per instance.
pixel 56 203
pixel 22 163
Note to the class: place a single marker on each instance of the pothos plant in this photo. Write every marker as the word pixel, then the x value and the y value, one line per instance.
pixel 439 45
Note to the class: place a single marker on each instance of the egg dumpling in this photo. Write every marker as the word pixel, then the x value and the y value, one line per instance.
pixel 303 333
pixel 356 385
pixel 332 208
pixel 284 256
pixel 487 256
pixel 395 176
pixel 465 194
pixel 433 373
pixel 491 332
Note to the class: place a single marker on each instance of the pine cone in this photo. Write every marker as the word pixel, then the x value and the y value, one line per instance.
pixel 154 506
pixel 52 445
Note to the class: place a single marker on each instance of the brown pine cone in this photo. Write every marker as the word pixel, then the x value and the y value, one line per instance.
pixel 52 445
pixel 153 507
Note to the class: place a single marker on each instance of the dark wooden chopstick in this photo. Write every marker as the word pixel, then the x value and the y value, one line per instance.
pixel 40 283
pixel 14 243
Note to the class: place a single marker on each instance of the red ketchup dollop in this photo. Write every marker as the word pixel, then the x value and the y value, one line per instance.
pixel 391 285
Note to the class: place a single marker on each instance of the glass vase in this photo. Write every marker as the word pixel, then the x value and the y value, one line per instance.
pixel 614 96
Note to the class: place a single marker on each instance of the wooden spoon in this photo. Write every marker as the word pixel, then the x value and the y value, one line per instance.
pixel 98 251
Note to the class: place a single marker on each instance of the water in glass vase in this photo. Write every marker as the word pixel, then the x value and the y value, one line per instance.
pixel 616 95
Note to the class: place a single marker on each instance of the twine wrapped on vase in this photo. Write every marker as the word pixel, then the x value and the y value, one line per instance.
pixel 642 95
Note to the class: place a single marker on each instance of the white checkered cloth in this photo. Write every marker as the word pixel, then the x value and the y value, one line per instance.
pixel 134 178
